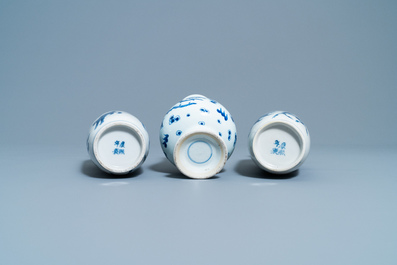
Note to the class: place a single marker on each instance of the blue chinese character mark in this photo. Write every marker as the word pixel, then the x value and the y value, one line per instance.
pixel 165 140
pixel 119 150
pixel 223 113
pixel 174 119
pixel 279 149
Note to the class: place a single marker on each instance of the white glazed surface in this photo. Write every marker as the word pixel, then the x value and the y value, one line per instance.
pixel 279 142
pixel 197 113
pixel 118 142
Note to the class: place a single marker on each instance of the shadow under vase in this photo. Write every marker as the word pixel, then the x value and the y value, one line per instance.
pixel 89 169
pixel 248 168
pixel 171 171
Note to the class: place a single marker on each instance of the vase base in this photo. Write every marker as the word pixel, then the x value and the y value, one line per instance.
pixel 119 148
pixel 278 148
pixel 200 154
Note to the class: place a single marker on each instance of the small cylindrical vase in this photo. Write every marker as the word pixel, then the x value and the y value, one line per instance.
pixel 118 142
pixel 279 142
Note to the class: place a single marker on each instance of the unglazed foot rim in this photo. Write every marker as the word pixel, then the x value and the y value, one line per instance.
pixel 133 157
pixel 276 162
pixel 200 154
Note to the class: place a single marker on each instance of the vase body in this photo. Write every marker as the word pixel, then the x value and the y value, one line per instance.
pixel 279 142
pixel 198 135
pixel 118 142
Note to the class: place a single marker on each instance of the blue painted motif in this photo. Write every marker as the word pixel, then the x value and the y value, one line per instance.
pixel 204 110
pixel 235 139
pixel 193 98
pixel 119 150
pixel 219 121
pixel 178 132
pixel 230 135
pixel 188 115
pixel 292 117
pixel 279 149
pixel 189 103
pixel 283 113
pixel 213 101
pixel 165 140
pixel 223 113
pixel 201 123
pixel 174 119
pixel 181 106
pixel 220 134
pixel 261 118
pixel 101 119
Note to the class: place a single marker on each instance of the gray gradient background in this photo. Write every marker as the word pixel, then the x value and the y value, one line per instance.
pixel 332 63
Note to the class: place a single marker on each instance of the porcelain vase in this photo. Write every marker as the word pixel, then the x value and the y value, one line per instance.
pixel 118 142
pixel 198 135
pixel 279 142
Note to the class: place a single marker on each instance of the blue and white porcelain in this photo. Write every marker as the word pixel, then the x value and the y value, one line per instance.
pixel 118 142
pixel 198 135
pixel 279 142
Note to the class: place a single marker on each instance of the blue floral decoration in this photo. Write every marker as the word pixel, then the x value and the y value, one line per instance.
pixel 174 119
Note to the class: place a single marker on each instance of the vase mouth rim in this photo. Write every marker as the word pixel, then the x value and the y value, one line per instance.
pixel 200 154
pixel 194 95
